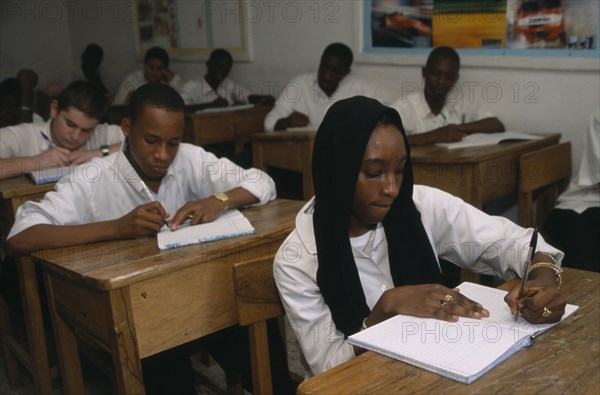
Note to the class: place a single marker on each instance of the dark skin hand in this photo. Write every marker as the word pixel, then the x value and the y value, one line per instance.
pixel 294 120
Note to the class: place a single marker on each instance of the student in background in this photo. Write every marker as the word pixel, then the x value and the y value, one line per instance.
pixel 91 60
pixel 117 207
pixel 574 225
pixel 430 116
pixel 156 69
pixel 215 89
pixel 71 136
pixel 367 246
pixel 305 99
pixel 16 99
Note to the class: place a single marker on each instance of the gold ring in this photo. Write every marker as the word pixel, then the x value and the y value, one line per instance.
pixel 546 312
pixel 447 299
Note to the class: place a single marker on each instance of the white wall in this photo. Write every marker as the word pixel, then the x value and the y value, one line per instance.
pixel 287 39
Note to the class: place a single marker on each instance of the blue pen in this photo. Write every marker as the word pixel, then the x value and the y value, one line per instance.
pixel 45 136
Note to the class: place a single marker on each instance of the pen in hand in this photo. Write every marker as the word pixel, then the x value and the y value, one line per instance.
pixel 528 258
pixel 152 199
pixel 45 136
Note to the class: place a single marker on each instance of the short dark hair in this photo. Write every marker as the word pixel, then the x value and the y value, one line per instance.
pixel 443 53
pixel 93 54
pixel 12 87
pixel 157 53
pixel 154 95
pixel 220 53
pixel 341 51
pixel 85 96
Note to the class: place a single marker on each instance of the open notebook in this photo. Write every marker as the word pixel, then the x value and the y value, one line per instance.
pixel 481 139
pixel 46 176
pixel 463 350
pixel 236 107
pixel 230 224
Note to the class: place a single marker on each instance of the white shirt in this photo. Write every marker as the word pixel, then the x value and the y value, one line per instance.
pixel 108 188
pixel 134 81
pixel 584 190
pixel 199 91
pixel 304 95
pixel 418 118
pixel 26 139
pixel 457 231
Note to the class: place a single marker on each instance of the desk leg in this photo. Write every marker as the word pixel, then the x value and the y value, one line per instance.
pixel 126 360
pixel 66 344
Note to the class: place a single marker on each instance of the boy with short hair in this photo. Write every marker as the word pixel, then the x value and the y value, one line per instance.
pixel 156 69
pixel 314 93
pixel 71 136
pixel 431 117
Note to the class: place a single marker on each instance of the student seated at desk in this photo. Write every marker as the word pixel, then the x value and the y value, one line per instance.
pixel 156 69
pixel 71 136
pixel 367 246
pixel 185 182
pixel 430 116
pixel 215 89
pixel 16 99
pixel 574 224
pixel 314 93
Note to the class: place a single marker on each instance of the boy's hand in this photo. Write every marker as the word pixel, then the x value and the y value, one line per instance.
pixel 199 211
pixel 297 119
pixel 144 220
pixel 54 157
pixel 78 157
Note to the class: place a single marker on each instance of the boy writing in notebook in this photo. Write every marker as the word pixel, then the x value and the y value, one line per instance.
pixel 215 89
pixel 431 116
pixel 71 136
pixel 111 202
pixel 367 246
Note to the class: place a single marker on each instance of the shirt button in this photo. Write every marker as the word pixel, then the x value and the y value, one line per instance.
pixel 384 287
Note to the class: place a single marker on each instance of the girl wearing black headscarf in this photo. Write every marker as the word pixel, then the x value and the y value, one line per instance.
pixel 366 247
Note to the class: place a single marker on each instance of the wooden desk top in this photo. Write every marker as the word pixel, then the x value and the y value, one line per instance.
pixel 434 154
pixel 114 264
pixel 284 135
pixel 21 186
pixel 565 359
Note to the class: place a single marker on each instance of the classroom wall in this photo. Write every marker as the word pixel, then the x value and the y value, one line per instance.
pixel 287 39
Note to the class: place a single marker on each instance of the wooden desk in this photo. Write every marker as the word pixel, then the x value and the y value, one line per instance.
pixel 478 175
pixel 561 360
pixel 286 150
pixel 226 126
pixel 34 355
pixel 133 301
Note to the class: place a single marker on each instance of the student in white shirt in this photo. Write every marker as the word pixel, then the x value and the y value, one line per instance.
pixel 105 199
pixel 215 89
pixel 156 69
pixel 71 136
pixel 305 100
pixel 433 115
pixel 367 246
pixel 574 224
pixel 16 99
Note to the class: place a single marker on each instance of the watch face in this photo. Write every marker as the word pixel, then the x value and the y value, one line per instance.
pixel 221 196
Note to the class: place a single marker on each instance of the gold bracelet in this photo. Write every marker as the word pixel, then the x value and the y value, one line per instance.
pixel 547 256
pixel 548 265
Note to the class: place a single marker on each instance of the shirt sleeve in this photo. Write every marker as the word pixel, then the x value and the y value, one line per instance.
pixel 187 92
pixel 283 106
pixel 9 142
pixel 294 270
pixel 177 82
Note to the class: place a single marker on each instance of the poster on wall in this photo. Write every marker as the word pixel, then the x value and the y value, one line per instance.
pixel 192 28
pixel 509 26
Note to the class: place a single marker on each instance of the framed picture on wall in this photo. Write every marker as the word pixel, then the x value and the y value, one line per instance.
pixel 560 33
pixel 190 30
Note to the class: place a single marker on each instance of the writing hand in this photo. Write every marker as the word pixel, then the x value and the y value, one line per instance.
pixel 448 134
pixel 199 211
pixel 78 157
pixel 144 220
pixel 297 119
pixel 54 157
pixel 537 296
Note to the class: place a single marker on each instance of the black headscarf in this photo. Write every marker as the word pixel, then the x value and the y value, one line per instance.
pixel 337 156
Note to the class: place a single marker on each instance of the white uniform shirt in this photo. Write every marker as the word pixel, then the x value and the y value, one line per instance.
pixel 457 231
pixel 199 91
pixel 418 118
pixel 26 139
pixel 584 189
pixel 304 95
pixel 134 81
pixel 108 188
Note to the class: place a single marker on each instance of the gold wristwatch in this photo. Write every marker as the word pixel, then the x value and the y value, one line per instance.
pixel 221 196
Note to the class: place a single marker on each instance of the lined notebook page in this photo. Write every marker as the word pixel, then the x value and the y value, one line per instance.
pixel 481 139
pixel 46 176
pixel 231 224
pixel 463 350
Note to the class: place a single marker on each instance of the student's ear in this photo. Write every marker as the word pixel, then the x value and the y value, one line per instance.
pixel 126 126
pixel 53 108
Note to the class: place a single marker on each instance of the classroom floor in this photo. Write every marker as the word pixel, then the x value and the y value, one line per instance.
pixel 97 384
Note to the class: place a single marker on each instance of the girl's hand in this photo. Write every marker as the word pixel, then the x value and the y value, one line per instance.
pixel 541 302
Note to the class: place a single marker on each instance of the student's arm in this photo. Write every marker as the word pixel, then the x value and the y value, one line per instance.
pixel 261 100
pixel 295 120
pixel 80 156
pixel 453 132
pixel 53 157
pixel 208 209
pixel 144 220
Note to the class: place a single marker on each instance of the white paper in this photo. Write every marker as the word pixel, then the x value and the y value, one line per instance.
pixel 225 109
pixel 46 176
pixel 481 139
